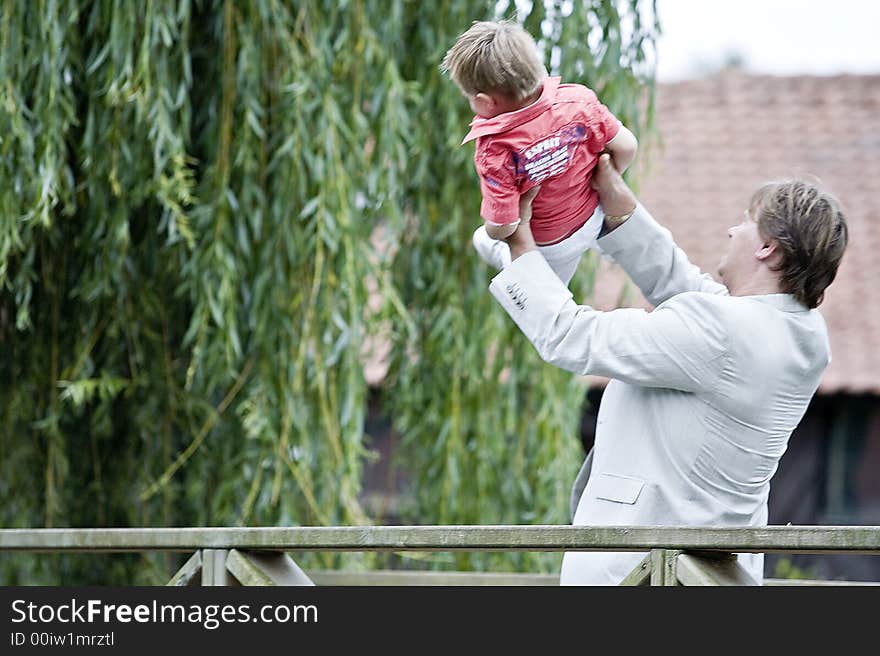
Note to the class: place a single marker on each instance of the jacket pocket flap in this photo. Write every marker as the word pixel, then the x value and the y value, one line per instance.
pixel 613 487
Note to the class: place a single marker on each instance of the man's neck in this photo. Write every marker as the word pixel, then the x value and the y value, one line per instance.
pixel 760 284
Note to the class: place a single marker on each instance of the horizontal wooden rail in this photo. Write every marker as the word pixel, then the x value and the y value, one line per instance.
pixel 791 539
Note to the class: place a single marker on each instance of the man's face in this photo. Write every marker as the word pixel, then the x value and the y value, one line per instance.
pixel 740 259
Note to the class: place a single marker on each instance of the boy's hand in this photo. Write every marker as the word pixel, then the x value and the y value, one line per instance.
pixel 525 204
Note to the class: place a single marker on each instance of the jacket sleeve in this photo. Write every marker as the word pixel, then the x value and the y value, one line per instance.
pixel 647 252
pixel 680 345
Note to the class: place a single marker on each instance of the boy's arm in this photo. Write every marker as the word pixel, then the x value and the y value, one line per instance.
pixel 499 207
pixel 622 148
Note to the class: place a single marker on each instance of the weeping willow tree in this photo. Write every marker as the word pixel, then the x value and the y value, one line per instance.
pixel 190 197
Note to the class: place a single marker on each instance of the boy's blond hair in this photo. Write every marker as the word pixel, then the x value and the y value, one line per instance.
pixel 495 58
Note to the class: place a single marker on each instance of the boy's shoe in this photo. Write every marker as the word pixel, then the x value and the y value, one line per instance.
pixel 493 252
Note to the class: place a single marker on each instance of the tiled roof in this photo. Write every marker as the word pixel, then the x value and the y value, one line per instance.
pixel 722 136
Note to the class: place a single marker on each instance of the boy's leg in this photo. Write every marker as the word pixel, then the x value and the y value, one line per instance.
pixel 563 260
pixel 493 252
pixel 563 264
pixel 564 257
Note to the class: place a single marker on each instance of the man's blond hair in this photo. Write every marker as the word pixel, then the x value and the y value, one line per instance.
pixel 495 58
pixel 810 227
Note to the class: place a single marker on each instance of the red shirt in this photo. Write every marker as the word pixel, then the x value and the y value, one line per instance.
pixel 554 142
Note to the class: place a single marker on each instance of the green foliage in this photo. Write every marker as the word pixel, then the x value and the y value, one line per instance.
pixel 786 569
pixel 190 198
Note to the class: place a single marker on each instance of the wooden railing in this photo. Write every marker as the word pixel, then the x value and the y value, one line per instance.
pixel 256 556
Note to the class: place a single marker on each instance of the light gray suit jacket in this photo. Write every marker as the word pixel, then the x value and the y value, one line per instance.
pixel 706 390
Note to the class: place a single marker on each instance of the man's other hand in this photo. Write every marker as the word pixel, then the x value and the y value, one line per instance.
pixel 525 204
pixel 617 199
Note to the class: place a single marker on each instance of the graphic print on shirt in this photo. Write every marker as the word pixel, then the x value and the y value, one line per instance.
pixel 550 155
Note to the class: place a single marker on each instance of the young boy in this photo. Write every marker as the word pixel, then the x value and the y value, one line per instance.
pixel 530 131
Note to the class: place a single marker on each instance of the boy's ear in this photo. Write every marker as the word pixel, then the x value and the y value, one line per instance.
pixel 485 105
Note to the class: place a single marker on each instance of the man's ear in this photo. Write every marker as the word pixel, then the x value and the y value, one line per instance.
pixel 769 249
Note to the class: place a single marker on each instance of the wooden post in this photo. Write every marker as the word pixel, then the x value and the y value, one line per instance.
pixel 214 570
pixel 663 566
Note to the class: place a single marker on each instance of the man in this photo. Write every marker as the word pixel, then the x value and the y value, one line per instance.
pixel 707 388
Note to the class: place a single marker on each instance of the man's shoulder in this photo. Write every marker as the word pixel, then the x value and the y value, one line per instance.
pixel 737 316
pixel 712 303
pixel 705 311
pixel 699 299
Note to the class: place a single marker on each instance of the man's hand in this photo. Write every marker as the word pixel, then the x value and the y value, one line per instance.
pixel 522 241
pixel 525 204
pixel 617 199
